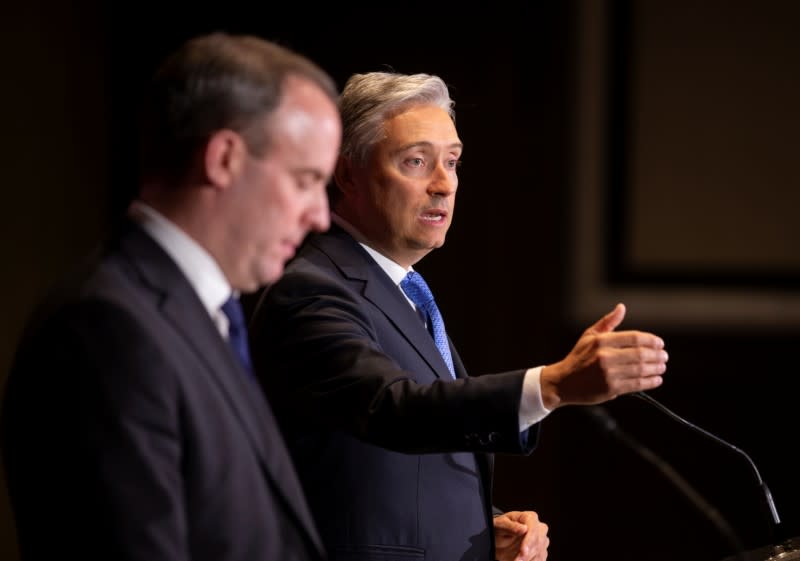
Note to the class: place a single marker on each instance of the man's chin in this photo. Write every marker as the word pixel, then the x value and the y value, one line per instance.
pixel 268 274
pixel 427 246
pixel 272 276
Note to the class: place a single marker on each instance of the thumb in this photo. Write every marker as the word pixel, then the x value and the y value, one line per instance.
pixel 610 321
pixel 508 525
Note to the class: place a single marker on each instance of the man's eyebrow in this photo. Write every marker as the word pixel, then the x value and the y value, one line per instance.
pixel 315 173
pixel 427 144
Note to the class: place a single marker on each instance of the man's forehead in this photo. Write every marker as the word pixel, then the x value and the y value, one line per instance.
pixel 422 126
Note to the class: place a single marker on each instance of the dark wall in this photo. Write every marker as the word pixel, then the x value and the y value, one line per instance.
pixel 53 156
pixel 501 279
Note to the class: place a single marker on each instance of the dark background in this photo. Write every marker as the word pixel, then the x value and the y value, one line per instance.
pixel 72 75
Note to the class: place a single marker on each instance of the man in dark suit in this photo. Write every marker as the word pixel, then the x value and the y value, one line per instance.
pixel 132 429
pixel 389 434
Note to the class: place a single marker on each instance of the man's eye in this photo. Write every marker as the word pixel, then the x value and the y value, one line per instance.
pixel 454 164
pixel 416 162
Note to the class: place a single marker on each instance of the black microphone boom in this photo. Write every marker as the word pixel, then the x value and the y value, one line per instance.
pixel 609 424
pixel 764 489
pixel 788 549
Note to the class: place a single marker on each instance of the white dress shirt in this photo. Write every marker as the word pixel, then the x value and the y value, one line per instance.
pixel 199 267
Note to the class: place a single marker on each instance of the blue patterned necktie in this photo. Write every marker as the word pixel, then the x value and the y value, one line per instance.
pixel 418 292
pixel 237 332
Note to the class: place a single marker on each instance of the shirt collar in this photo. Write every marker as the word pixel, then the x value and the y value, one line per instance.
pixel 199 267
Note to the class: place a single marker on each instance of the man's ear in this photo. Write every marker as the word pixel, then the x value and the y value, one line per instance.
pixel 343 174
pixel 225 154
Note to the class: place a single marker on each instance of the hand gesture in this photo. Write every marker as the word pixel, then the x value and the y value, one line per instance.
pixel 604 364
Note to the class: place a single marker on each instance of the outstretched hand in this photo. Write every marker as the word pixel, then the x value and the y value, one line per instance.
pixel 605 363
pixel 520 536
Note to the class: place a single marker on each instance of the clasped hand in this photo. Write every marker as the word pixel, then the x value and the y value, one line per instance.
pixel 520 536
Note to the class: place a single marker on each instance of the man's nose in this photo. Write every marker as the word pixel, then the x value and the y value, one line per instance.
pixel 444 181
pixel 318 216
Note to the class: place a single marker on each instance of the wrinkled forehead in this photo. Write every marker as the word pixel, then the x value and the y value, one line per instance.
pixel 421 124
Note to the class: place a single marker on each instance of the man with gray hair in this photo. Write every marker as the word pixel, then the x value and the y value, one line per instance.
pixel 391 438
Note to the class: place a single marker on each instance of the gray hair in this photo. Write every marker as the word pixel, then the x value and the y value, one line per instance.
pixel 367 100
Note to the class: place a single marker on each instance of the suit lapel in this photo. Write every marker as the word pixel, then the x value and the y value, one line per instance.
pixel 397 310
pixel 357 265
pixel 458 365
pixel 183 309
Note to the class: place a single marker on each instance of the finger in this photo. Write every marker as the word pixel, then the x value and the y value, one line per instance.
pixel 630 339
pixel 610 321
pixel 631 385
pixel 543 553
pixel 625 356
pixel 632 362
pixel 632 369
pixel 531 542
pixel 506 525
pixel 619 374
pixel 511 522
pixel 534 545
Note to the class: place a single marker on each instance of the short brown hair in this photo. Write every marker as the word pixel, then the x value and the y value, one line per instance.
pixel 213 82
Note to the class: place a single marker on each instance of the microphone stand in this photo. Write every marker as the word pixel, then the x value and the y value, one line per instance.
pixel 610 425
pixel 787 550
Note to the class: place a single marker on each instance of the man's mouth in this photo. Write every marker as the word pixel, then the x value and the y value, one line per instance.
pixel 434 216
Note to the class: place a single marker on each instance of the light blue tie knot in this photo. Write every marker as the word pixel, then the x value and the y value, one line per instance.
pixel 418 292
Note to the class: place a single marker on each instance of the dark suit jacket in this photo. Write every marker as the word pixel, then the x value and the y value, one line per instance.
pixel 390 450
pixel 131 432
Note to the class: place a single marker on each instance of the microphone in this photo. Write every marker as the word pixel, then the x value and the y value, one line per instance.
pixel 787 550
pixel 610 425
pixel 761 483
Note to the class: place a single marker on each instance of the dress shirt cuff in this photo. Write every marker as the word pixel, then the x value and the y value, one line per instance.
pixel 531 407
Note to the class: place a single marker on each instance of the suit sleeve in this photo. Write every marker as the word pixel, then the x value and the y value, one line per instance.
pixel 315 349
